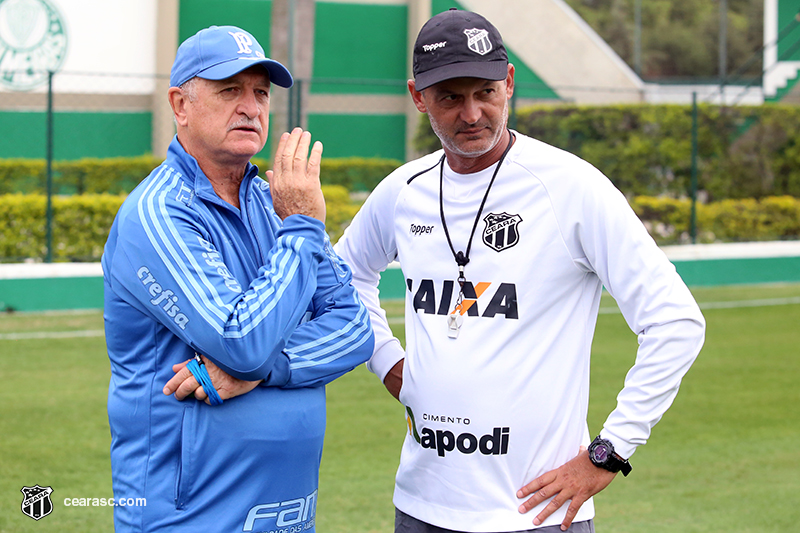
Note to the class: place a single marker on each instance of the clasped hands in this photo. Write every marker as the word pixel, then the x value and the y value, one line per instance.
pixel 183 383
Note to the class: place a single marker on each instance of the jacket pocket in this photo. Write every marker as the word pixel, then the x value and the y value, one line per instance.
pixel 185 467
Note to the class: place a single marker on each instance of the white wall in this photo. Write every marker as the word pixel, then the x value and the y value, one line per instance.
pixel 562 49
pixel 110 37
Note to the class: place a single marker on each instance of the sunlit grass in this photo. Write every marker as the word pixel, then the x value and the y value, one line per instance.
pixel 722 459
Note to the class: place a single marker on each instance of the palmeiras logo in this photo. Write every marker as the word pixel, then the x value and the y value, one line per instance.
pixel 36 502
pixel 478 41
pixel 501 231
pixel 33 42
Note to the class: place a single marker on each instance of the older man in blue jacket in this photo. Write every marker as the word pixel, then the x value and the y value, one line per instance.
pixel 210 265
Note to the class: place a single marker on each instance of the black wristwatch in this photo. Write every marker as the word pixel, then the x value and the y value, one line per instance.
pixel 602 454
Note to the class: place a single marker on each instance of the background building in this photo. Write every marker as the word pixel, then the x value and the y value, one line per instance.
pixel 351 59
pixel 781 50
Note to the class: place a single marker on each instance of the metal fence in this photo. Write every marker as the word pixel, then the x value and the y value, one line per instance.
pixel 79 115
pixel 73 115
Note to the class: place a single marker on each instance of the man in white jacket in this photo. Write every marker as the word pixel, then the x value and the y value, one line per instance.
pixel 505 244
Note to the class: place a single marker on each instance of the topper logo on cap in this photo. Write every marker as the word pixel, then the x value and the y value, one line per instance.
pixel 478 41
pixel 243 41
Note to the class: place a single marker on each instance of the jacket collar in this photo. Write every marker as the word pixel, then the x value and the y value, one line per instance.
pixel 195 178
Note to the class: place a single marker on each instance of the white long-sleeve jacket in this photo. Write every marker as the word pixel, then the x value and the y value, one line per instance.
pixel 506 400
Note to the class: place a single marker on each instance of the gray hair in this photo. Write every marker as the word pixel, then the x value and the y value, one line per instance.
pixel 188 88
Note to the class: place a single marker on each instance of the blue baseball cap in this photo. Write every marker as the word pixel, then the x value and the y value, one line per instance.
pixel 219 52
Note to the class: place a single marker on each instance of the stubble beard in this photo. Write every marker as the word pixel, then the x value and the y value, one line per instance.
pixel 448 142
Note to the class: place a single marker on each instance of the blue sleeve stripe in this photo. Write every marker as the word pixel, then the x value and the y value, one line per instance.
pixel 346 345
pixel 218 306
pixel 358 320
pixel 267 294
pixel 198 288
pixel 146 219
pixel 272 302
pixel 304 363
pixel 177 263
pixel 266 288
pixel 280 259
pixel 362 329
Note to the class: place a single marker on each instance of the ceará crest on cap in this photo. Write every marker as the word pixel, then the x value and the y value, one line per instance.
pixel 478 41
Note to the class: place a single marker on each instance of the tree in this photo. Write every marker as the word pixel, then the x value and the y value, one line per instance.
pixel 680 38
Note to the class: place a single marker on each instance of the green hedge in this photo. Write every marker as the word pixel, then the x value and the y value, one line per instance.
pixel 116 175
pixel 80 226
pixel 730 220
pixel 120 175
pixel 743 151
pixel 356 174
pixel 81 223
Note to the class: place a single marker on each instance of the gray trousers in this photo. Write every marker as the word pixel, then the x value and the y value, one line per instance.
pixel 404 523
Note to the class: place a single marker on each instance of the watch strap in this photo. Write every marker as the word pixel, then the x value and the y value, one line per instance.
pixel 613 462
pixel 619 464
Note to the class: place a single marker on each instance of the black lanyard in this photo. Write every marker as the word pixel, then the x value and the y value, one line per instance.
pixel 463 258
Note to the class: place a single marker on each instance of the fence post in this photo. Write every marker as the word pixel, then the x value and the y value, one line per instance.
pixel 298 104
pixel 693 224
pixel 295 111
pixel 49 221
pixel 637 38
pixel 290 108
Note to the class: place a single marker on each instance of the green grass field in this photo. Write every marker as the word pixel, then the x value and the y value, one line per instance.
pixel 723 459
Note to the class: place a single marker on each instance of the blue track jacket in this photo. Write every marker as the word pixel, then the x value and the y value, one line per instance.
pixel 262 298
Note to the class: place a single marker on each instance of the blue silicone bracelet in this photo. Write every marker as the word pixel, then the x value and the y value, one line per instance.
pixel 200 373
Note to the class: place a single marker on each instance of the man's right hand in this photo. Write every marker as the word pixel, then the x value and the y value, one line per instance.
pixel 183 383
pixel 394 379
pixel 294 180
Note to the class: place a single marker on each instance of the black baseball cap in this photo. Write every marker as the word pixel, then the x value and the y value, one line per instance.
pixel 458 44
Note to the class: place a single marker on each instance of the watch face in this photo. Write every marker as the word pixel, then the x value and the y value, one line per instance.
pixel 600 453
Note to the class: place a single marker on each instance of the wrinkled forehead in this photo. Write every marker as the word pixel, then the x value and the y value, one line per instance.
pixel 256 74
